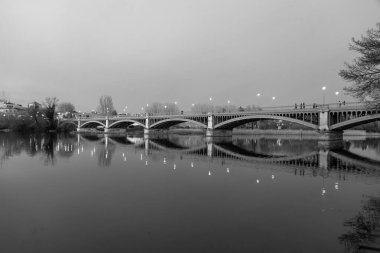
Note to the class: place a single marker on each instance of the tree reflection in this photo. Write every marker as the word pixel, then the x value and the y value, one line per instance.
pixel 48 149
pixel 362 225
pixel 12 144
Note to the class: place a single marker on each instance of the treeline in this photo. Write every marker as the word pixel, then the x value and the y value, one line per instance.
pixel 37 117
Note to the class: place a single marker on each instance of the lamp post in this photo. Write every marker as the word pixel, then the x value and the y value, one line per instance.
pixel 258 96
pixel 323 91
pixel 175 108
pixel 337 97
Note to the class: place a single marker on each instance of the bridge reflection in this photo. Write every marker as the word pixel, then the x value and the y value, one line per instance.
pixel 311 157
pixel 288 152
pixel 292 155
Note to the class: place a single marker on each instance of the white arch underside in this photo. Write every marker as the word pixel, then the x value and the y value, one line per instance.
pixel 177 121
pixel 126 121
pixel 355 122
pixel 263 117
pixel 92 121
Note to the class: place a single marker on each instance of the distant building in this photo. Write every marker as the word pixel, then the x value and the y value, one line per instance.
pixel 34 104
pixel 10 108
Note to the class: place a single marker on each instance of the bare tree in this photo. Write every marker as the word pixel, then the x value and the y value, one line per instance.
pixel 50 105
pixel 66 107
pixel 364 72
pixel 34 112
pixel 105 106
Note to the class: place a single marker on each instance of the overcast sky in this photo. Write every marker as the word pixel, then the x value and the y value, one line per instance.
pixel 140 51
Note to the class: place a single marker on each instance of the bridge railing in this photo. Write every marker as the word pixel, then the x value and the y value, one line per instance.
pixel 315 106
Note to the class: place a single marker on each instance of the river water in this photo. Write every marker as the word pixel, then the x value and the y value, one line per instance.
pixel 179 193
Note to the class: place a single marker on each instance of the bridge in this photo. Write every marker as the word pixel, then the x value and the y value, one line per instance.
pixel 329 120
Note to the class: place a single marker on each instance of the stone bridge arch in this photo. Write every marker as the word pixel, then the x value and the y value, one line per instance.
pixel 232 123
pixel 355 122
pixel 74 123
pixel 125 122
pixel 92 123
pixel 166 123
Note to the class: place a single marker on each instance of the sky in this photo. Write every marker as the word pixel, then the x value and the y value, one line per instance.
pixel 144 51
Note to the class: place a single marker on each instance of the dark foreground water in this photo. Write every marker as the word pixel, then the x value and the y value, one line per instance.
pixel 183 194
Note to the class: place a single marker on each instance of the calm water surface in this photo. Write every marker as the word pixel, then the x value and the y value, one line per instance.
pixel 182 193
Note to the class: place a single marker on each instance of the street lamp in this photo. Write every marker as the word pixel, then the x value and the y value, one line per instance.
pixel 323 91
pixel 337 96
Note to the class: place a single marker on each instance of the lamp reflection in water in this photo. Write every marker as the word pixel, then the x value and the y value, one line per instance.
pixel 323 187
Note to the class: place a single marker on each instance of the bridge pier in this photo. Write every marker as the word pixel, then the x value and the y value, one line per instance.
pixel 330 135
pixel 330 139
pixel 148 131
pixel 218 132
